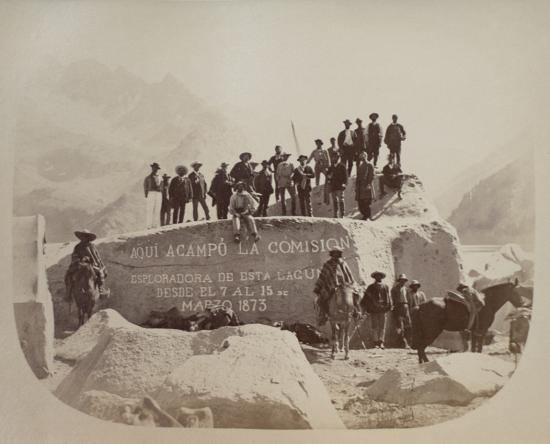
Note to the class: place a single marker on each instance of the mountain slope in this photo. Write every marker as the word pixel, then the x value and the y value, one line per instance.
pixel 501 208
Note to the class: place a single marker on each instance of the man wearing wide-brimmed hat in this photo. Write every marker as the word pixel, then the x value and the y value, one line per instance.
pixel 180 192
pixel 322 161
pixel 338 180
pixel 242 171
pixel 284 173
pixel 199 187
pixel 302 178
pixel 346 144
pixel 166 207
pixel 401 314
pixel 377 302
pixel 221 190
pixel 264 187
pixel 374 138
pixel 85 249
pixel 364 188
pixel 334 273
pixel 152 187
pixel 415 296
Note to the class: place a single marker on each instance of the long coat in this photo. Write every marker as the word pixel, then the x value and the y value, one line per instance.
pixel 262 183
pixel 374 131
pixel 395 133
pixel 338 177
pixel 342 137
pixel 242 171
pixel 364 189
pixel 180 190
pixel 220 188
pixel 361 138
pixel 198 184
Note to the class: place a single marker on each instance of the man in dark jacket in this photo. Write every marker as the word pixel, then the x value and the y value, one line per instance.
pixel 374 138
pixel 165 208
pixel 302 178
pixel 392 177
pixel 401 314
pixel 199 187
pixel 364 190
pixel 361 138
pixel 338 179
pixel 221 191
pixel 377 302
pixel 395 134
pixel 333 152
pixel 263 186
pixel 346 144
pixel 85 249
pixel 180 192
pixel 243 172
pixel 274 162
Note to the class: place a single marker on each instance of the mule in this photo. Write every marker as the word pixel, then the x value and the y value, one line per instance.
pixel 341 310
pixel 84 290
pixel 438 314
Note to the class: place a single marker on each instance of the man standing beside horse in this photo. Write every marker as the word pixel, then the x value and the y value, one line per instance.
pixel 85 249
pixel 401 314
pixel 377 302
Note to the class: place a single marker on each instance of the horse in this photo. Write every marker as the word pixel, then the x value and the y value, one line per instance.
pixel 438 314
pixel 84 290
pixel 341 309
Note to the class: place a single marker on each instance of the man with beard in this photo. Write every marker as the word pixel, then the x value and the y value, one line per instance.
pixel 364 190
pixel 374 138
pixel 302 178
pixel 180 192
pixel 346 144
pixel 264 187
pixel 198 184
pixel 221 191
pixel 242 171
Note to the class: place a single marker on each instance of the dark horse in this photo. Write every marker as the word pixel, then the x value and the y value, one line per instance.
pixel 84 290
pixel 438 314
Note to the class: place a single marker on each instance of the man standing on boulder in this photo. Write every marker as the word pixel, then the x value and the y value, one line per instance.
pixel 322 161
pixel 395 134
pixel 152 187
pixel 361 138
pixel 263 186
pixel 198 184
pixel 335 273
pixel 165 208
pixel 284 182
pixel 377 302
pixel 221 191
pixel 346 144
pixel 274 162
pixel 338 179
pixel 180 192
pixel 374 138
pixel 401 314
pixel 302 178
pixel 364 190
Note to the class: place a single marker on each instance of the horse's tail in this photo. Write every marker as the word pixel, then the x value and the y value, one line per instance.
pixel 416 327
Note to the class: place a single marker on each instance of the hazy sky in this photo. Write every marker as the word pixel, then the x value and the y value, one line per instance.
pixel 464 77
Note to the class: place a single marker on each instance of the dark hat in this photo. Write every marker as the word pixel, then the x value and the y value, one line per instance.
pixel 301 156
pixel 265 162
pixel 245 154
pixel 318 141
pixel 394 115
pixel 336 251
pixel 194 164
pixel 224 164
pixel 373 116
pixel 165 176
pixel 347 121
pixel 277 146
pixel 332 138
pixel 358 120
pixel 378 273
pixel 461 287
pixel 155 165
pixel 254 164
pixel 414 283
pixel 283 154
pixel 402 277
pixel 85 235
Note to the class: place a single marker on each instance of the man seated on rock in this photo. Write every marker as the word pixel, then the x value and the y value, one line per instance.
pixel 85 249
pixel 335 273
pixel 392 176
pixel 242 206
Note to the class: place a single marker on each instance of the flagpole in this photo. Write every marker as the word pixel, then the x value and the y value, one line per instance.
pixel 296 143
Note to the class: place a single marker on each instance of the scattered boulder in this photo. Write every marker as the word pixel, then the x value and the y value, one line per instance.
pixel 455 379
pixel 250 376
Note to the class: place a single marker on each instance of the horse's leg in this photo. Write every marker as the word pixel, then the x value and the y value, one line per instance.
pixel 346 339
pixel 341 333
pixel 333 339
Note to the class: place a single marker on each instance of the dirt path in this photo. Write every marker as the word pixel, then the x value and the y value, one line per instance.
pixel 347 382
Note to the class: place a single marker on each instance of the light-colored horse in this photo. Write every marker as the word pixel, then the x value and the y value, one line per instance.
pixel 340 316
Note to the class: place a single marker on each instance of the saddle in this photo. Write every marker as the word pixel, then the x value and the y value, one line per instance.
pixel 470 306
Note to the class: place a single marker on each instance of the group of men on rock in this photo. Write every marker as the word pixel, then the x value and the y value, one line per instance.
pixel 244 192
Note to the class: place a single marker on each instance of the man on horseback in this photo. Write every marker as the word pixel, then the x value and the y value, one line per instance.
pixel 85 250
pixel 335 273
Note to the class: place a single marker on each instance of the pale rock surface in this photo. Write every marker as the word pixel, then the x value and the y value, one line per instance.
pixel 455 379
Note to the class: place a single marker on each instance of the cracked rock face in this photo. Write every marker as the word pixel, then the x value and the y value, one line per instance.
pixel 251 376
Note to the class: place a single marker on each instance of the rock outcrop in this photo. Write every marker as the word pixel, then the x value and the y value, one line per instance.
pixel 455 380
pixel 251 376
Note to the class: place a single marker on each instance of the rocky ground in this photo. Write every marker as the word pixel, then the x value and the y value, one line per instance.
pixel 347 382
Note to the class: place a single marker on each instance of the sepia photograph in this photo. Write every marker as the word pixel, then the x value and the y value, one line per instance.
pixel 273 215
